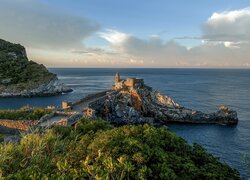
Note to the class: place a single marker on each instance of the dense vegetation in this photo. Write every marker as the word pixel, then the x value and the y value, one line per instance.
pixel 246 163
pixel 96 150
pixel 17 70
pixel 25 113
pixel 1 138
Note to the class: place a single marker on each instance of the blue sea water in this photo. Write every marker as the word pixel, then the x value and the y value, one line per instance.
pixel 200 89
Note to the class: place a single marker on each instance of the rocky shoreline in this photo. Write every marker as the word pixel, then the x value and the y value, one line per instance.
pixel 133 102
pixel 51 88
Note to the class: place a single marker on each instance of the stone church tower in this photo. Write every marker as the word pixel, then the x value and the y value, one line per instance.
pixel 117 77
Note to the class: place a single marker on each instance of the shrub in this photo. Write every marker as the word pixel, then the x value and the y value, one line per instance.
pixel 1 138
pixel 25 113
pixel 96 150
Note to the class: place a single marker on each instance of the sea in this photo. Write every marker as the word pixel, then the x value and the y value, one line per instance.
pixel 199 89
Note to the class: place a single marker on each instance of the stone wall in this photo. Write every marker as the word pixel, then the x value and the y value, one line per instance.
pixel 98 103
pixel 6 130
pixel 46 117
pixel 89 97
pixel 132 82
pixel 21 125
pixel 62 122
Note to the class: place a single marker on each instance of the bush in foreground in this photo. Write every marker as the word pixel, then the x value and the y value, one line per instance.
pixel 25 113
pixel 96 150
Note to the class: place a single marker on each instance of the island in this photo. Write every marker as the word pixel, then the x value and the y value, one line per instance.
pixel 21 77
pixel 131 101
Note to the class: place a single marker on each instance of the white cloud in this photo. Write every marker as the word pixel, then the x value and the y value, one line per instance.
pixel 156 52
pixel 55 38
pixel 152 51
pixel 37 25
pixel 135 61
pixel 231 44
pixel 230 26
pixel 226 43
pixel 114 37
pixel 230 16
pixel 246 64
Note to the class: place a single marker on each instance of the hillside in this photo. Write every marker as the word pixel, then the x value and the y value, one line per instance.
pixel 94 149
pixel 21 77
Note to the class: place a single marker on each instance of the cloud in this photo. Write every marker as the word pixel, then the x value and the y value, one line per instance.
pixel 135 61
pixel 156 52
pixel 246 64
pixel 188 37
pixel 225 37
pixel 230 26
pixel 153 47
pixel 93 51
pixel 146 52
pixel 116 38
pixel 232 44
pixel 37 25
pixel 56 39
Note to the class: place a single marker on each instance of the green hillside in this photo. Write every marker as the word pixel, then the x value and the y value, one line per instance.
pixel 16 71
pixel 96 150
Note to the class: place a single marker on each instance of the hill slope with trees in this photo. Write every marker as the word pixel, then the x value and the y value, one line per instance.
pixel 21 77
pixel 94 149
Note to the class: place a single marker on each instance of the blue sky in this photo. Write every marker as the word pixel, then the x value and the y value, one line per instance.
pixel 146 17
pixel 167 26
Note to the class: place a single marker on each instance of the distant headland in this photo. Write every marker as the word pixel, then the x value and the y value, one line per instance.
pixel 21 77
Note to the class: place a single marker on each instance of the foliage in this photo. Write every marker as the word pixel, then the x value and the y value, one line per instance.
pixel 246 162
pixel 17 70
pixel 1 138
pixel 93 149
pixel 25 113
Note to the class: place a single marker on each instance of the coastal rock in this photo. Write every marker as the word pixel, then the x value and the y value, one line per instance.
pixel 53 87
pixel 21 77
pixel 133 103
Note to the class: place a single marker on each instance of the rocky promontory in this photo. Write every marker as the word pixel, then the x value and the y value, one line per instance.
pixel 22 77
pixel 131 102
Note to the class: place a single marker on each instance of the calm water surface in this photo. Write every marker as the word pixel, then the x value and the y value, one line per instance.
pixel 200 89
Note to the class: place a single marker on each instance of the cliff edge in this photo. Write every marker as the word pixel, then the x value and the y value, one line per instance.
pixel 21 77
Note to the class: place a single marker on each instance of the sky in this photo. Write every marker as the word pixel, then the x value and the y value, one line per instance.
pixel 133 34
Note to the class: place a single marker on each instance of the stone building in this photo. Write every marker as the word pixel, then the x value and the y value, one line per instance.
pixel 129 82
pixel 66 105
pixel 134 82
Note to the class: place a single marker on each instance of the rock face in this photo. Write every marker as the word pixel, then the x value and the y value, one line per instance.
pixel 21 77
pixel 142 104
pixel 53 87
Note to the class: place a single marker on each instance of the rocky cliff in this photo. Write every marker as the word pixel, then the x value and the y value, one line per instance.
pixel 142 104
pixel 21 77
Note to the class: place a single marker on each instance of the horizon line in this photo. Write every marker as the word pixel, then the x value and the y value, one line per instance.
pixel 231 67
